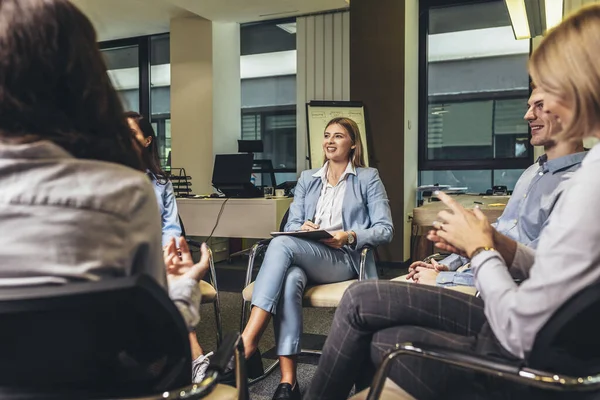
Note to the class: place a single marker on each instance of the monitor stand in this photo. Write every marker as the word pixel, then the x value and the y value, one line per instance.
pixel 243 191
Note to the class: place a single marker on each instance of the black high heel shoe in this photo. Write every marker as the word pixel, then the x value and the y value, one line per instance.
pixel 254 369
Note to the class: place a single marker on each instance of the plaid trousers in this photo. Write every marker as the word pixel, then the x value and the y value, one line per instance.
pixel 376 315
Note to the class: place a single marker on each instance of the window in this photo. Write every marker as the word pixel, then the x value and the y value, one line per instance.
pixel 268 88
pixel 140 71
pixel 473 96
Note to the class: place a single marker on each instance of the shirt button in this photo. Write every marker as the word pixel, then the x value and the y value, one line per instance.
pixel 541 173
pixel 514 221
pixel 525 195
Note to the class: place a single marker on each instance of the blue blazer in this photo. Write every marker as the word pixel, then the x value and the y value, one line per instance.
pixel 366 211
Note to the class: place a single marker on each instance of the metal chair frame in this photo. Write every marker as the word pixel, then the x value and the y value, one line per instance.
pixel 515 373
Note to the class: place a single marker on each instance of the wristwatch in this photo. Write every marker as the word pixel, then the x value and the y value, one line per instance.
pixel 351 238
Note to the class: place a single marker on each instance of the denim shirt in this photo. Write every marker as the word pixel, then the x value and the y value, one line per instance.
pixel 526 214
pixel 64 219
pixel 167 207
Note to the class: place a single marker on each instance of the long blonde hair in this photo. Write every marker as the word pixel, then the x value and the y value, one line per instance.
pixel 357 154
pixel 567 65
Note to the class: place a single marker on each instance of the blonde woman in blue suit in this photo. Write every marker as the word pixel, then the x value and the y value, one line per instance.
pixel 348 200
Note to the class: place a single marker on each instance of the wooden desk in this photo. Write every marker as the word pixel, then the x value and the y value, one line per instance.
pixel 241 218
pixel 424 216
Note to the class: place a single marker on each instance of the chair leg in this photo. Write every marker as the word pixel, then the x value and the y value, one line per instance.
pixel 217 308
pixel 217 302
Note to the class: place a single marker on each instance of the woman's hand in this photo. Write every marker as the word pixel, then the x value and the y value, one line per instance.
pixel 180 264
pixel 462 229
pixel 339 240
pixel 309 226
pixel 424 275
pixel 421 265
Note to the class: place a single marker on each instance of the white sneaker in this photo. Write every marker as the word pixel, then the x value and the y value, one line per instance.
pixel 199 367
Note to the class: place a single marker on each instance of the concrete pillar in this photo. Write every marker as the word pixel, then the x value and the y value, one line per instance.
pixel 192 100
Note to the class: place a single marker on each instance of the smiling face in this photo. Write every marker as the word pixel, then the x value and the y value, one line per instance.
pixel 337 143
pixel 543 124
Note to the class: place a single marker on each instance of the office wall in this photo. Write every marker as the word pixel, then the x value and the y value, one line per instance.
pixel 411 117
pixel 227 92
pixel 377 77
pixel 192 99
pixel 323 69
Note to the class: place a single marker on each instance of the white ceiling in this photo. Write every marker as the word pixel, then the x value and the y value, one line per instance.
pixel 125 18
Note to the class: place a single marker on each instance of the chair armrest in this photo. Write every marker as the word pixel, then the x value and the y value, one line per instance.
pixel 432 352
pixel 513 371
pixel 364 252
pixel 232 346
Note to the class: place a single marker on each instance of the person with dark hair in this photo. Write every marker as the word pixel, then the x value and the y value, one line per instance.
pixel 167 206
pixel 348 200
pixel 73 183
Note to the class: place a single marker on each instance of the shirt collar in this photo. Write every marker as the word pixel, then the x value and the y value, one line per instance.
pixel 560 163
pixel 43 149
pixel 322 172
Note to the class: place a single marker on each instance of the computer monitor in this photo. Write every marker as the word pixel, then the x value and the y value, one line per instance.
pixel 232 174
pixel 250 146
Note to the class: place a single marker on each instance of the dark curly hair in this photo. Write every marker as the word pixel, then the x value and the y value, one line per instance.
pixel 54 85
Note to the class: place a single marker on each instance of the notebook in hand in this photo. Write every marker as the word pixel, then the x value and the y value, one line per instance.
pixel 308 235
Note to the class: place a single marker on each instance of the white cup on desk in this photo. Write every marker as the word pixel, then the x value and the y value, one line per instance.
pixel 279 192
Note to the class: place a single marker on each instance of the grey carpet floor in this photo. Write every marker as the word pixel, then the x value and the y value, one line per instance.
pixel 317 322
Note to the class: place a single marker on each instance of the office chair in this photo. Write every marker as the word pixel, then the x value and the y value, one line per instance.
pixel 315 296
pixel 210 291
pixel 565 357
pixel 117 338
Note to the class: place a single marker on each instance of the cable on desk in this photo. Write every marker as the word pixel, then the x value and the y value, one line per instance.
pixel 218 218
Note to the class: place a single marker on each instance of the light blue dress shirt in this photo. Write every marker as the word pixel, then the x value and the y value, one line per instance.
pixel 167 206
pixel 526 212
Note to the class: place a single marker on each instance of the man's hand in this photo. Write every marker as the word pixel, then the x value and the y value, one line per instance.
pixel 179 262
pixel 425 276
pixel 309 226
pixel 339 240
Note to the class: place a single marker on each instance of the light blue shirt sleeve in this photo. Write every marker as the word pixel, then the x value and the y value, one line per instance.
pixel 169 215
pixel 454 261
pixel 450 278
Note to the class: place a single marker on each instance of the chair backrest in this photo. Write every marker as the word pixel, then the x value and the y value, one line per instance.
pixel 569 342
pixel 112 338
pixel 284 220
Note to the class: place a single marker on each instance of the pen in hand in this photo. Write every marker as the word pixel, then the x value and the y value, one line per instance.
pixel 309 225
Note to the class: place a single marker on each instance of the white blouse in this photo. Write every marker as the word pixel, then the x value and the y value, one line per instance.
pixel 329 207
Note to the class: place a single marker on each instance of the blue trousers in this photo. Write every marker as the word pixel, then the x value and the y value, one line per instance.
pixel 288 264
